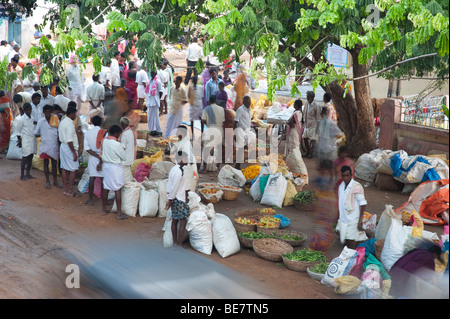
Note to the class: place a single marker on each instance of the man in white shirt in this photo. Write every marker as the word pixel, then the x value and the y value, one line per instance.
pixel 95 94
pixel 242 130
pixel 141 80
pixel 26 141
pixel 47 130
pixel 92 140
pixel 61 100
pixel 178 197
pixel 105 74
pixel 36 112
pixel 163 76
pixel 113 154
pixel 352 204
pixel 14 51
pixel 68 152
pixel 312 111
pixel 115 72
pixel 46 99
pixel 154 93
pixel 4 50
pixel 128 142
pixel 194 53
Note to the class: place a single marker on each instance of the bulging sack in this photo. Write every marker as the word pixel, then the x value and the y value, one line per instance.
pixel 225 238
pixel 130 199
pixel 340 266
pixel 200 232
pixel 275 191
pixel 148 201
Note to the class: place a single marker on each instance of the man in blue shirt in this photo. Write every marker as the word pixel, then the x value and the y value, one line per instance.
pixel 37 34
pixel 212 86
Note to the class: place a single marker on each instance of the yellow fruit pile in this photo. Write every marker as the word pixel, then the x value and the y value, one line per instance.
pixel 245 221
pixel 268 221
pixel 209 190
pixel 251 172
pixel 267 210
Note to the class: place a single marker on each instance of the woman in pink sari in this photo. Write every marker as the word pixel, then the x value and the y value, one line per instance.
pixel 294 158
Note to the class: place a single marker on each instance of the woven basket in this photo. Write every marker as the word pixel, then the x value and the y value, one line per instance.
pixel 267 230
pixel 207 185
pixel 299 188
pixel 143 135
pixel 241 228
pixel 271 249
pixel 143 117
pixel 379 244
pixel 293 243
pixel 299 265
pixel 303 206
pixel 246 242
pixel 212 200
pixel 248 213
pixel 314 275
pixel 230 194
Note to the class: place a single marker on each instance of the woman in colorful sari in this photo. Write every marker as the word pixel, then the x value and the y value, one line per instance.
pixel 294 158
pixel 5 121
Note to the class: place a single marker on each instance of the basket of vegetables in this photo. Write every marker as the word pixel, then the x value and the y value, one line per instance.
pixel 305 200
pixel 247 238
pixel 242 224
pixel 143 134
pixel 267 211
pixel 271 249
pixel 248 213
pixel 230 192
pixel 149 151
pixel 318 271
pixel 210 195
pixel 207 185
pixel 268 224
pixel 292 237
pixel 300 260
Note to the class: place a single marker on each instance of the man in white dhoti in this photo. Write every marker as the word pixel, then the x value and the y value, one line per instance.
pixel 46 98
pixel 47 129
pixel 36 114
pixel 164 77
pixel 195 96
pixel 113 154
pixel 105 74
pixel 26 141
pixel 92 141
pixel 115 72
pixel 312 117
pixel 352 205
pixel 184 145
pixel 95 94
pixel 141 80
pixel 178 99
pixel 128 141
pixel 213 117
pixel 61 100
pixel 154 93
pixel 242 129
pixel 68 151
pixel 76 82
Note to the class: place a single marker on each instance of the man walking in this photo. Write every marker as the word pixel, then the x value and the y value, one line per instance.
pixel 194 53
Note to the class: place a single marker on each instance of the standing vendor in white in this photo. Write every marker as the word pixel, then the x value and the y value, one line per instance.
pixel 352 205
pixel 195 96
pixel 178 98
pixel 242 129
pixel 113 154
pixel 68 151
pixel 141 80
pixel 312 117
pixel 47 129
pixel 115 72
pixel 129 143
pixel 92 141
pixel 76 82
pixel 95 94
pixel 178 198
pixel 190 170
pixel 154 93
pixel 26 141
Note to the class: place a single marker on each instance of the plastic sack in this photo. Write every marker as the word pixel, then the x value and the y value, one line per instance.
pixel 255 190
pixel 147 198
pixel 346 285
pixel 14 152
pixel 142 172
pixel 141 142
pixel 371 259
pixel 369 221
pixel 358 268
pixel 369 246
pixel 162 211
pixel 200 232
pixel 130 199
pixel 275 191
pixel 83 184
pixel 385 222
pixel 291 191
pixel 365 167
pixel 340 266
pixel 224 234
pixel 285 221
pixel 229 176
pixel 393 244
pixel 161 170
pixel 167 228
pixel 136 163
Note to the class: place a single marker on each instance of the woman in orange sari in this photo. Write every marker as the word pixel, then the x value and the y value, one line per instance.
pixel 228 138
pixel 123 97
pixel 241 89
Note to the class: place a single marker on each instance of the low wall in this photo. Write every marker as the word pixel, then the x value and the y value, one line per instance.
pixel 413 139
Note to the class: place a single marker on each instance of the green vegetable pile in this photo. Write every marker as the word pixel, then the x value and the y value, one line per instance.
pixel 151 150
pixel 320 268
pixel 306 255
pixel 305 197
pixel 84 164
pixel 287 236
pixel 254 235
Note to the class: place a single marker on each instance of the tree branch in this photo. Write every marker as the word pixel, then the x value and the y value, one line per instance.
pixel 101 13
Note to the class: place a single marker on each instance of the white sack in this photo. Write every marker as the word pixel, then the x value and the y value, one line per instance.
pixel 229 176
pixel 130 199
pixel 275 191
pixel 148 201
pixel 225 238
pixel 340 266
pixel 200 232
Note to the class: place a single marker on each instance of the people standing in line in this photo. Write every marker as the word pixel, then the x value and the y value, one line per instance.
pixel 141 80
pixel 294 158
pixel 178 198
pixel 331 110
pixel 26 141
pixel 115 72
pixel 212 86
pixel 47 130
pixel 128 141
pixel 95 94
pixel 352 204
pixel 195 96
pixel 113 154
pixel 242 129
pixel 194 53
pixel 92 142
pixel 312 117
pixel 68 151
pixel 154 93
pixel 178 99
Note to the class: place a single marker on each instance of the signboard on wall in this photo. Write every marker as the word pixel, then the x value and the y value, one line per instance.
pixel 337 56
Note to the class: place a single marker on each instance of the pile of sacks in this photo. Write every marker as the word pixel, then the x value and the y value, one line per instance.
pixel 364 271
pixel 205 229
pixel 396 170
